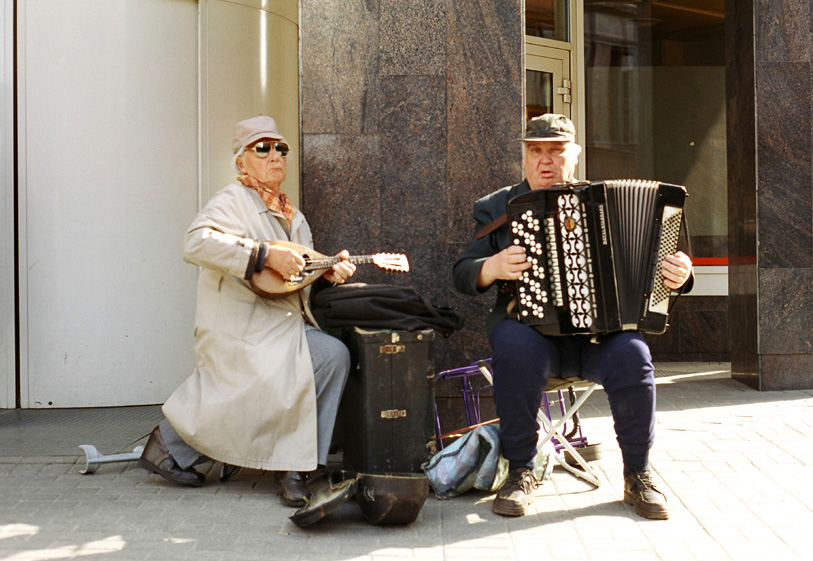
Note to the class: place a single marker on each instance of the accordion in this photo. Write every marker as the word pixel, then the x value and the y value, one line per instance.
pixel 596 250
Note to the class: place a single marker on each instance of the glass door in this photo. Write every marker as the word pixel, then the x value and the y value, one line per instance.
pixel 547 81
pixel 553 62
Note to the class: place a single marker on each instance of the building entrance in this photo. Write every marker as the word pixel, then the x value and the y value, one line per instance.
pixel 548 83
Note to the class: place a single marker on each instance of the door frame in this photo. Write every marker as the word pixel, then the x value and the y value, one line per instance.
pixel 572 54
pixel 557 63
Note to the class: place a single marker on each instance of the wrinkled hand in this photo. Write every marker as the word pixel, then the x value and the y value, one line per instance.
pixel 505 265
pixel 677 269
pixel 342 270
pixel 287 262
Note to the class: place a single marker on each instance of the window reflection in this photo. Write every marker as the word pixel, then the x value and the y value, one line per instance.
pixel 539 93
pixel 547 19
pixel 655 104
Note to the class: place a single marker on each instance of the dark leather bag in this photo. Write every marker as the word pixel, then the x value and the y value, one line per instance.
pixel 381 306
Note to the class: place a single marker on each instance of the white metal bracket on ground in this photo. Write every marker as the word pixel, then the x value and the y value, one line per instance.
pixel 94 458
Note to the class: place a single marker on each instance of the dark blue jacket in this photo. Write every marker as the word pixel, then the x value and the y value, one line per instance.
pixel 468 266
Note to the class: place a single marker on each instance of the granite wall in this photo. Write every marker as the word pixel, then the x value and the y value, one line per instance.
pixel 770 195
pixel 698 331
pixel 410 112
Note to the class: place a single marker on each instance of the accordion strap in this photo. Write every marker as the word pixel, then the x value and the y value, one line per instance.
pixel 493 225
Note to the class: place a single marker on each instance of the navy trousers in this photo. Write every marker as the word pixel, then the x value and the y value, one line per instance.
pixel 523 360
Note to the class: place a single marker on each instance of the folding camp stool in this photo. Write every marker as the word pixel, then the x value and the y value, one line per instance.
pixel 567 441
pixel 568 414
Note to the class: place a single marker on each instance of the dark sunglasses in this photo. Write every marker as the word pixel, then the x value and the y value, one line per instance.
pixel 262 149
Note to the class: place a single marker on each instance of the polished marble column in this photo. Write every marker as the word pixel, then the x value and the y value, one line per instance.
pixel 770 182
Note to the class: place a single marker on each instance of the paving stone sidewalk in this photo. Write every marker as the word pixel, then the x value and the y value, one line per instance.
pixel 735 463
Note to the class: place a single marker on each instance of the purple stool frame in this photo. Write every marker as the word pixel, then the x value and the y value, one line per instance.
pixel 471 402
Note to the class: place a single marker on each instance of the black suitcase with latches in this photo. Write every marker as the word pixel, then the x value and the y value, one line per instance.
pixel 387 410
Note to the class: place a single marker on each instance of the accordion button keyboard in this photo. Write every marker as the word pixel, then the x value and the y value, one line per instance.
pixel 531 293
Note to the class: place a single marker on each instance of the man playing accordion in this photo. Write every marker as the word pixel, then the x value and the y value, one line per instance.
pixel 523 358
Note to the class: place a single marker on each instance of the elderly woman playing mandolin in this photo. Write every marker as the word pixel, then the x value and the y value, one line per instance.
pixel 267 385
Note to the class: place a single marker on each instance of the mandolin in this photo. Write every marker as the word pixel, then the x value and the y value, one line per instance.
pixel 270 283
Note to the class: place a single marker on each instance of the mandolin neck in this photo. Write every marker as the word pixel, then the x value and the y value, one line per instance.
pixel 316 264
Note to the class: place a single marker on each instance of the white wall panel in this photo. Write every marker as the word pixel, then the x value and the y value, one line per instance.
pixel 7 305
pixel 108 141
pixel 250 54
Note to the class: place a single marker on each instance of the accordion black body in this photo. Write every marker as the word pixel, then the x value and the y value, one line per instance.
pixel 596 250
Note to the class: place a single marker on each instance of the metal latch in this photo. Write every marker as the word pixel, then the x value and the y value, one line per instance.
pixel 393 413
pixel 392 348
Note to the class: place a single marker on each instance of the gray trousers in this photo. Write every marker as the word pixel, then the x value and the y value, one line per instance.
pixel 331 365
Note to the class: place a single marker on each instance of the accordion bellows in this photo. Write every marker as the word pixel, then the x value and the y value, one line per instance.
pixel 596 250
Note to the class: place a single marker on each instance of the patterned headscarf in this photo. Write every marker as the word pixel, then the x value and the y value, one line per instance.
pixel 278 202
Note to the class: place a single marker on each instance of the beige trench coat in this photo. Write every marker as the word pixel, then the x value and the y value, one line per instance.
pixel 251 399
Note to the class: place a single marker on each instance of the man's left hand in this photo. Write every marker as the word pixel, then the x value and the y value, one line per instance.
pixel 677 269
pixel 342 270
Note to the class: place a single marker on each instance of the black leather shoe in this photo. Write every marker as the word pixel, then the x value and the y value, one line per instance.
pixel 227 471
pixel 292 488
pixel 156 459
